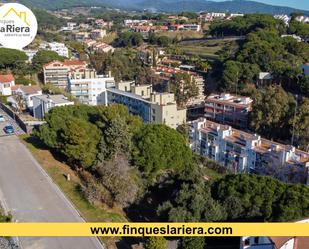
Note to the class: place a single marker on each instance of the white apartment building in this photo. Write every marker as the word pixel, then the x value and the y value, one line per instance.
pixel 6 82
pixel 285 18
pixel 43 103
pixel 57 72
pixel 59 48
pixel 91 91
pixel 245 152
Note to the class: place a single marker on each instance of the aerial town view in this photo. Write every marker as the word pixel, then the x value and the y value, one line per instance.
pixel 158 111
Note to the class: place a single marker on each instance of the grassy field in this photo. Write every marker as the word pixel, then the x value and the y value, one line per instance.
pixel 208 48
pixel 58 172
pixel 182 35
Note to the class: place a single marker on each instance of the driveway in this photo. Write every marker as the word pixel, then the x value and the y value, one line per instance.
pixel 31 196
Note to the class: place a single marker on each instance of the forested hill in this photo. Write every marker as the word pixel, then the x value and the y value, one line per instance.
pixel 242 6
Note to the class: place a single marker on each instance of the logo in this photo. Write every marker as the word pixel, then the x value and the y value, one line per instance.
pixel 18 26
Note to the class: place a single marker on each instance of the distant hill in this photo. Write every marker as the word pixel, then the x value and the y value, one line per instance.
pixel 242 6
pixel 235 6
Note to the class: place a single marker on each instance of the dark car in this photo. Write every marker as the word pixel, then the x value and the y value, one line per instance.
pixel 9 129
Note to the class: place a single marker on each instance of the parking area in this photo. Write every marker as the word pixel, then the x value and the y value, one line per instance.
pixel 9 120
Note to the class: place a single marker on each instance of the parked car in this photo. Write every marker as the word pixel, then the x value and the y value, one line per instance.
pixel 9 129
pixel 2 119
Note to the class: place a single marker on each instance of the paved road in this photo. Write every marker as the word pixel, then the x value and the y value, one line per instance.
pixel 9 120
pixel 32 197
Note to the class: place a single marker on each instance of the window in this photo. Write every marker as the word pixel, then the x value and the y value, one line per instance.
pixel 256 240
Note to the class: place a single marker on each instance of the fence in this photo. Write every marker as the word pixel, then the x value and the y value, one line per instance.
pixel 13 115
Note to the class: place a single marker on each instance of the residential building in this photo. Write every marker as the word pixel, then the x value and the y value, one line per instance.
pixel 228 109
pixel 27 92
pixel 302 19
pixel 103 47
pixel 152 107
pixel 43 103
pixel 180 27
pixel 81 36
pixel 264 78
pixel 273 242
pixel 240 151
pixel 285 18
pixel 92 90
pixel 57 47
pixel 103 24
pixel 30 54
pixel 167 73
pixel 6 82
pixel 57 72
pixel 97 34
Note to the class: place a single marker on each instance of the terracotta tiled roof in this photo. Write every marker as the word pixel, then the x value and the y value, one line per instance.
pixel 5 78
pixel 74 63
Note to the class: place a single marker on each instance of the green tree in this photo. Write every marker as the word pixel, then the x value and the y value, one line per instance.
pixel 184 88
pixel 156 243
pixel 43 57
pixel 80 140
pixel 301 125
pixel 192 242
pixel 270 109
pixel 159 148
pixel 12 58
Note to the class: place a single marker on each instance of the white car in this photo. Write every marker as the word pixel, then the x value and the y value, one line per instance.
pixel 2 119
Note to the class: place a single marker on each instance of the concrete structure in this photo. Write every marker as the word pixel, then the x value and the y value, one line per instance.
pixel 285 18
pixel 6 82
pixel 57 47
pixel 43 103
pixel 27 92
pixel 91 91
pixel 97 34
pixel 57 72
pixel 159 108
pixel 181 27
pixel 245 152
pixel 228 109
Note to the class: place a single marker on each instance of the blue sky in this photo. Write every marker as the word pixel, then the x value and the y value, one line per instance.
pixel 299 4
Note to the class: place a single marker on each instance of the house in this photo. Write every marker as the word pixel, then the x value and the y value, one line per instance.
pixel 43 103
pixel 275 242
pixel 152 107
pixel 228 109
pixel 6 82
pixel 27 92
pixel 97 34
pixel 264 78
pixel 241 151
pixel 103 47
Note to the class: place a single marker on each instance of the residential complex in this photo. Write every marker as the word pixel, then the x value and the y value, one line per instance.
pixel 152 107
pixel 59 48
pixel 6 82
pixel 91 90
pixel 43 103
pixel 57 72
pixel 228 109
pixel 245 152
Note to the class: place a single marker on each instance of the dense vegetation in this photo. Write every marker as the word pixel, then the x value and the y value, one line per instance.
pixel 245 25
pixel 123 64
pixel 123 161
pixel 264 50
